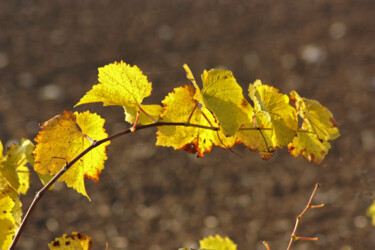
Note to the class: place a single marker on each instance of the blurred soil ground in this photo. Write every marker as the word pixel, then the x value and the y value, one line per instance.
pixel 157 198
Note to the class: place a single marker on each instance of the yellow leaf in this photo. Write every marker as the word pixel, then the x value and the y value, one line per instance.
pixel 10 213
pixel 75 241
pixel 217 243
pixel 1 151
pixel 8 190
pixel 123 85
pixel 272 110
pixel 259 139
pixel 13 165
pixel 318 128
pixel 6 222
pixel 222 95
pixel 371 213
pixel 189 75
pixel 178 106
pixel 309 146
pixel 62 138
pixel 318 118
pixel 152 110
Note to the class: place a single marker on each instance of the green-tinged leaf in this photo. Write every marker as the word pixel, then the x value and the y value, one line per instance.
pixel 257 138
pixel 272 110
pixel 13 165
pixel 222 95
pixel 318 128
pixel 319 119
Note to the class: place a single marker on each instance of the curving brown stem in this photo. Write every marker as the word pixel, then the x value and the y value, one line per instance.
pixel 94 144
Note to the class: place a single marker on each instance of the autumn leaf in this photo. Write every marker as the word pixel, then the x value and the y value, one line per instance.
pixel 257 139
pixel 317 117
pixel 75 241
pixel 178 107
pixel 222 95
pixel 8 191
pixel 10 213
pixel 272 110
pixel 13 165
pixel 221 91
pixel 189 248
pixel 371 213
pixel 217 243
pixel 123 85
pixel 6 222
pixel 309 146
pixel 65 136
pixel 317 129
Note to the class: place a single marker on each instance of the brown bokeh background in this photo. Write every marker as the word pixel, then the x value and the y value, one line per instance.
pixel 157 198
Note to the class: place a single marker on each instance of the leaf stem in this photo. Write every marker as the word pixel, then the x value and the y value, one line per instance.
pixel 192 112
pixel 148 115
pixel 135 123
pixel 205 117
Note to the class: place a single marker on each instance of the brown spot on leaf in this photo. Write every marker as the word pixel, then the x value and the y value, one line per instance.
pixel 244 103
pixel 292 99
pixel 191 148
pixel 56 243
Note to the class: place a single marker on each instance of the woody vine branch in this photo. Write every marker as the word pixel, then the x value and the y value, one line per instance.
pixel 93 145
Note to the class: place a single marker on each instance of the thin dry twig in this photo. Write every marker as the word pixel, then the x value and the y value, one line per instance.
pixel 293 236
pixel 266 245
